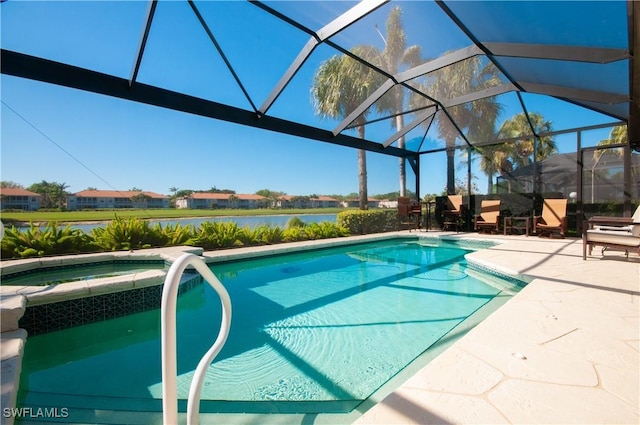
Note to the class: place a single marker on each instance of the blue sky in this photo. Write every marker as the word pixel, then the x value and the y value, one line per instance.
pixel 86 140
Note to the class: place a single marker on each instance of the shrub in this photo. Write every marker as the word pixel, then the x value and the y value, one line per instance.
pixel 362 222
pixel 178 234
pixel 272 235
pixel 129 233
pixel 295 234
pixel 324 230
pixel 249 236
pixel 295 222
pixel 217 234
pixel 52 240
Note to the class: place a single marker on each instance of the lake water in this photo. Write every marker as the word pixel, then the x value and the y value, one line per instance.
pixel 252 221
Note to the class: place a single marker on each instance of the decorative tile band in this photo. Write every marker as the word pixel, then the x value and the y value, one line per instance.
pixel 65 267
pixel 65 314
pixel 509 278
pixel 460 243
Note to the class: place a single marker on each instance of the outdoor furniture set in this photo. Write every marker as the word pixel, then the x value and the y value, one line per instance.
pixel 552 221
pixel 609 233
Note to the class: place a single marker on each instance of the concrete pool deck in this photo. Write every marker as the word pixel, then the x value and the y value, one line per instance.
pixel 565 349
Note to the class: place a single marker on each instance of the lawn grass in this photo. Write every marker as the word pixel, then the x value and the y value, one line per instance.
pixel 106 215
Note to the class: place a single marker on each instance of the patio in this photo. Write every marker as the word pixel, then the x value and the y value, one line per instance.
pixel 563 350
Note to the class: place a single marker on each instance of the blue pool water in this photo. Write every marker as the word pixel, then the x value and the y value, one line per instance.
pixel 312 332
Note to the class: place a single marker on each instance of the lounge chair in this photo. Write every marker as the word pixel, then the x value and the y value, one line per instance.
pixel 621 224
pixel 553 218
pixel 613 235
pixel 489 217
pixel 452 215
pixel 612 239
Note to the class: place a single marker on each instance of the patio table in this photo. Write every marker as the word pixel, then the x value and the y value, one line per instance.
pixel 519 223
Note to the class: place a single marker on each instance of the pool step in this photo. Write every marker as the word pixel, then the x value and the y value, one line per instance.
pixel 63 408
pixel 92 416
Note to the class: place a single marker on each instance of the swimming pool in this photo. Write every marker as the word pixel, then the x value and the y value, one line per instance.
pixel 314 332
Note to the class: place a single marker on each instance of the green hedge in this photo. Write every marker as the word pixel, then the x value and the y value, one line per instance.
pixel 362 222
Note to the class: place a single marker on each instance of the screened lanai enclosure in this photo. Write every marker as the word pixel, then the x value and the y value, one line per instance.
pixel 522 99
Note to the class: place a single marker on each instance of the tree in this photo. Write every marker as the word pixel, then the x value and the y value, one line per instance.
pixel 272 196
pixel 617 136
pixel 494 159
pixel 52 194
pixel 183 193
pixel 216 190
pixel 140 200
pixel 478 117
pixel 339 86
pixel 11 185
pixel 395 55
pixel 233 201
pixel 521 152
pixel 172 198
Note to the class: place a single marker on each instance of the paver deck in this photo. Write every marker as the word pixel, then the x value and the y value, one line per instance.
pixel 566 349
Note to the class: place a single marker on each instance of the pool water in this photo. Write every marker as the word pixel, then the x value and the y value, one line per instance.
pixel 311 332
pixel 64 274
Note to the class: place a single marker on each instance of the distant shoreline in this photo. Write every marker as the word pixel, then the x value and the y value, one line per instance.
pixel 23 224
pixel 41 218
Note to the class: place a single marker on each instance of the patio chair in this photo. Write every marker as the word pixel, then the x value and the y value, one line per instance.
pixel 553 218
pixel 489 217
pixel 452 215
pixel 405 215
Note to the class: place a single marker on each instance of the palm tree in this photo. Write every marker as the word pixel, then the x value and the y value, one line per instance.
pixel 140 200
pixel 395 55
pixel 339 86
pixel 52 193
pixel 493 159
pixel 233 201
pixel 521 152
pixel 618 135
pixel 59 194
pixel 174 191
pixel 459 79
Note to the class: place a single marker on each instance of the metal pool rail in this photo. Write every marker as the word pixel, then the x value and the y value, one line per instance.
pixel 169 349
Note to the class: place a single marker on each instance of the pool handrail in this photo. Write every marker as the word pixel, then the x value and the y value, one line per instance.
pixel 168 336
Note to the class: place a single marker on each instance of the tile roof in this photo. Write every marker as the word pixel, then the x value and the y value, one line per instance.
pixel 116 194
pixel 241 196
pixel 318 198
pixel 11 191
